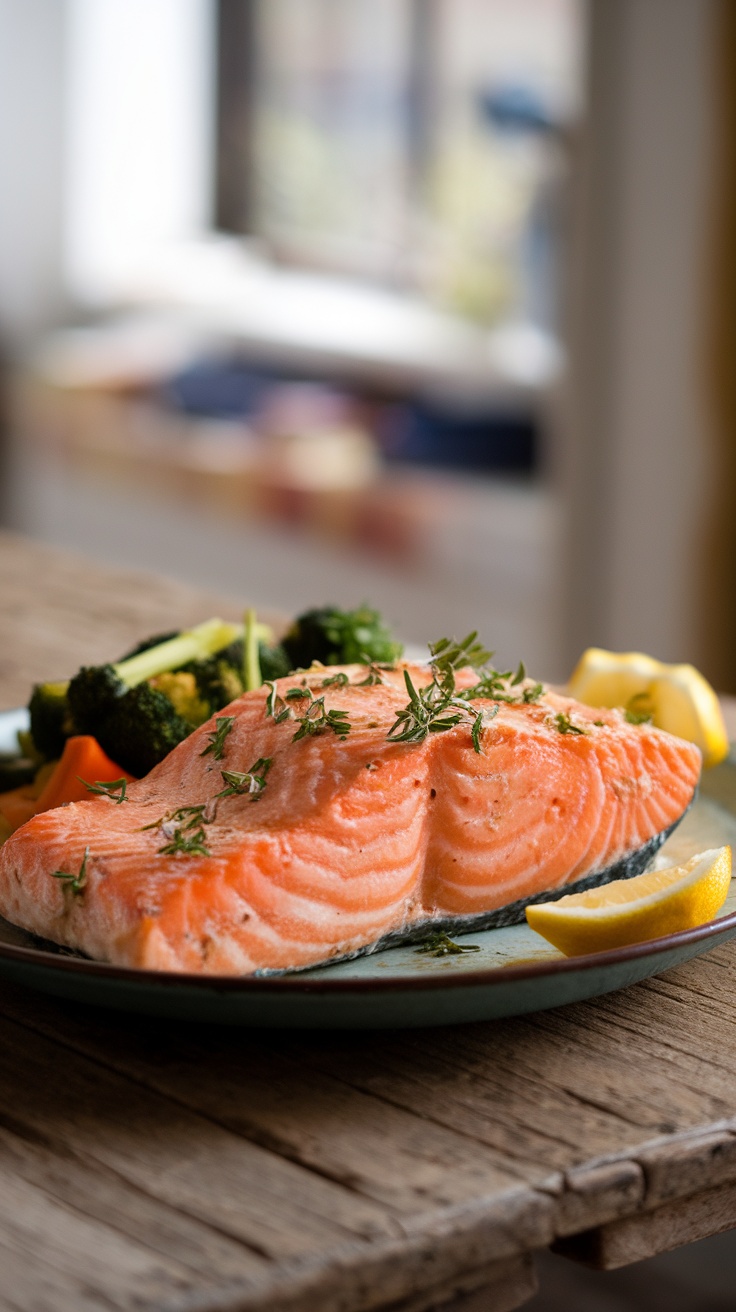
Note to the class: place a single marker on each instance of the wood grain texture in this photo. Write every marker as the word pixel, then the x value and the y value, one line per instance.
pixel 196 1169
pixel 634 1238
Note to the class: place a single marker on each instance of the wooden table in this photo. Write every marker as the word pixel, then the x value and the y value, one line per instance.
pixel 145 1164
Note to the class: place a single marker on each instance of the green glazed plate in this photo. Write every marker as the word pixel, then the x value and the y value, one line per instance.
pixel 513 971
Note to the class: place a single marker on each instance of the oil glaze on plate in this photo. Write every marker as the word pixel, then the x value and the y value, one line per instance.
pixel 514 971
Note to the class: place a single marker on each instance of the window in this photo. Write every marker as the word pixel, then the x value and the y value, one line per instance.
pixel 420 143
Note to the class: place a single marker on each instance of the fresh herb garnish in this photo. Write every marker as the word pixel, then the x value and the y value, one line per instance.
pixel 438 706
pixel 77 883
pixel 275 705
pixel 449 654
pixel 374 677
pixel 639 709
pixel 564 724
pixel 299 694
pixel 317 720
pixel 520 675
pixel 216 744
pixel 441 945
pixel 530 695
pixel 253 781
pixel 339 680
pixel 194 845
pixel 116 790
pixel 187 817
pixel 431 709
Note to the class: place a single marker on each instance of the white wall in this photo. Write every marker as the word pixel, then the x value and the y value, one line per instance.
pixel 106 113
pixel 31 133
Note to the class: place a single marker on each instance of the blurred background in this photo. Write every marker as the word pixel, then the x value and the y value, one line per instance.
pixel 428 303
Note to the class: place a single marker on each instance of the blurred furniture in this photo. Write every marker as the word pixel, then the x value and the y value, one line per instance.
pixel 155 1165
pixel 108 459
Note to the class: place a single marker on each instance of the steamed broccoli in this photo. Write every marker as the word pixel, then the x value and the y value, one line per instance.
pixel 339 637
pixel 140 729
pixel 50 725
pixel 136 722
pixel 143 705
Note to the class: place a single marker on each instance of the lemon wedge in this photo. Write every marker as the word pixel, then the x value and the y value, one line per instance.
pixel 676 697
pixel 632 910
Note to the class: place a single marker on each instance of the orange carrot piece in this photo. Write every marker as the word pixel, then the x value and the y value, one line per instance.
pixel 82 759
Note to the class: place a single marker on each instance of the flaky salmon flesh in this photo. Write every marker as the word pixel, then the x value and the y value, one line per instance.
pixel 347 839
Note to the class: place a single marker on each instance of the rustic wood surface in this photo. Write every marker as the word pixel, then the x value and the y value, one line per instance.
pixel 149 1164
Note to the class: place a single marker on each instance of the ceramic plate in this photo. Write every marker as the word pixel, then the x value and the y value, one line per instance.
pixel 513 971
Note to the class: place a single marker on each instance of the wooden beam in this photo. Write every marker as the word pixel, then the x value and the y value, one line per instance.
pixel 646 1234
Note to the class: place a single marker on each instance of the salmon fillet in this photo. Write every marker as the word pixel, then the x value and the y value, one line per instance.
pixel 349 840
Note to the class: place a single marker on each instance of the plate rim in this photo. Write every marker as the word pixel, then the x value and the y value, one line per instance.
pixel 301 983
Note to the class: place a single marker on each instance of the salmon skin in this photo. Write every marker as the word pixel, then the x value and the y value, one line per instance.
pixel 290 832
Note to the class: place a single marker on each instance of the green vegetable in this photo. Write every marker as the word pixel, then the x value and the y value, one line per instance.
pixel 135 722
pixel 49 714
pixel 339 637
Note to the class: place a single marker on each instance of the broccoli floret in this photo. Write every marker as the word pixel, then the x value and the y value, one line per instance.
pixel 180 687
pixel 219 680
pixel 140 729
pixel 274 661
pixel 49 714
pixel 136 723
pixel 339 637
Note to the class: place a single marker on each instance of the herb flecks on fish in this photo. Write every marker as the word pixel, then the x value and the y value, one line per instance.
pixel 564 724
pixel 216 744
pixel 252 781
pixel 339 680
pixel 374 677
pixel 441 945
pixel 317 720
pixel 77 883
pixel 639 709
pixel 116 790
pixel 438 706
pixel 185 817
pixel 276 707
pixel 193 845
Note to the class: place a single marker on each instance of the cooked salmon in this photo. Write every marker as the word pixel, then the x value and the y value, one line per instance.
pixel 262 845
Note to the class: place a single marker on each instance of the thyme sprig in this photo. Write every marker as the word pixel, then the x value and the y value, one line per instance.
pixel 432 709
pixel 639 709
pixel 317 720
pixel 185 817
pixel 564 724
pixel 115 790
pixel 252 781
pixel 77 883
pixel 276 707
pixel 216 744
pixel 339 680
pixel 193 845
pixel 441 945
pixel 438 706
pixel 374 677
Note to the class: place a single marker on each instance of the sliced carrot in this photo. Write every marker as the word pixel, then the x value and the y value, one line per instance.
pixel 82 762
